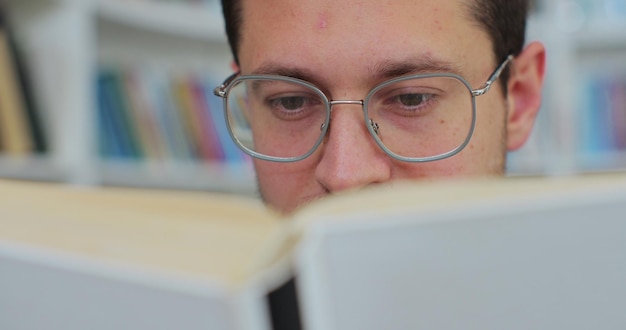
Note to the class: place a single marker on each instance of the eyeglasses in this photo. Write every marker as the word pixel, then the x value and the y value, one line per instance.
pixel 415 118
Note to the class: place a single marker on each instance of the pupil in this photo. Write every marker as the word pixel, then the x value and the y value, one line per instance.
pixel 411 99
pixel 292 103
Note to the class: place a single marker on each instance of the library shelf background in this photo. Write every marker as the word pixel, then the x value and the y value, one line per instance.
pixel 120 83
pixel 89 60
pixel 582 122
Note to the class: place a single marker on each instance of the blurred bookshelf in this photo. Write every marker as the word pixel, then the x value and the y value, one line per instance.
pixel 123 92
pixel 582 124
pixel 75 52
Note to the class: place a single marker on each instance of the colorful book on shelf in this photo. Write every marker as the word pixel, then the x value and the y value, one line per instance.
pixel 144 117
pixel 123 129
pixel 183 102
pixel 210 140
pixel 108 142
pixel 541 253
pixel 145 88
pixel 169 115
pixel 232 153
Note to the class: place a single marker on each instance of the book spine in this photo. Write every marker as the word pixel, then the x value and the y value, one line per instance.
pixel 188 119
pixel 143 116
pixel 210 141
pixel 109 145
pixel 15 136
pixel 181 150
pixel 232 153
pixel 115 112
pixel 25 85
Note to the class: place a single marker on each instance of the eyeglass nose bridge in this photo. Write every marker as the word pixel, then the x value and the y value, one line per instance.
pixel 372 123
pixel 354 102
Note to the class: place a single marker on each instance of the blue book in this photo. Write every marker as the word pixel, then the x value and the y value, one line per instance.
pixel 115 125
pixel 107 144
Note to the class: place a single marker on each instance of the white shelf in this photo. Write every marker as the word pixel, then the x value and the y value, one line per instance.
pixel 176 18
pixel 599 36
pixel 581 44
pixel 602 161
pixel 227 178
pixel 38 168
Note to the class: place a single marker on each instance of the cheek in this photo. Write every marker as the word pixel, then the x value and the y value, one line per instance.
pixel 487 148
pixel 284 185
pixel 491 116
pixel 273 176
pixel 449 167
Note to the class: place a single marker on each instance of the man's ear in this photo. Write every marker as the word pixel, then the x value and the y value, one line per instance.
pixel 524 93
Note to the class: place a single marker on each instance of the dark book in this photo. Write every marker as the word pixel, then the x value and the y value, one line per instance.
pixel 14 129
pixel 26 86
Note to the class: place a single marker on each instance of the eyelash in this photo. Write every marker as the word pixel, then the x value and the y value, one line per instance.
pixel 277 106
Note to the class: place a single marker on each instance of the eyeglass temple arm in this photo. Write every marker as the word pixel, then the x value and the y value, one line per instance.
pixel 220 90
pixel 496 74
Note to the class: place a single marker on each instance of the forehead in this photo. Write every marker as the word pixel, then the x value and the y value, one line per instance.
pixel 346 34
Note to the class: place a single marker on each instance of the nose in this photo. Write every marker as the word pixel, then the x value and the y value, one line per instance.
pixel 350 157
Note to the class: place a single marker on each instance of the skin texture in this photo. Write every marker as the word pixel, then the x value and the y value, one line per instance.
pixel 346 47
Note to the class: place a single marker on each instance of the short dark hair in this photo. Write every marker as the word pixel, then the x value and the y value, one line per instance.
pixel 503 20
pixel 505 23
pixel 232 21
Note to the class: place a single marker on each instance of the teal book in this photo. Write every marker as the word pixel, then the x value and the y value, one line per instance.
pixel 109 144
pixel 113 111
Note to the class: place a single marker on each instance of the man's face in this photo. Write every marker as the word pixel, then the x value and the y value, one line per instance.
pixel 342 46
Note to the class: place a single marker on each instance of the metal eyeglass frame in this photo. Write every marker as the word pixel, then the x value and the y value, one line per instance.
pixel 223 91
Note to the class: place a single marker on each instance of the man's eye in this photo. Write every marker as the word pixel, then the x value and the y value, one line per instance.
pixel 293 107
pixel 411 100
pixel 290 103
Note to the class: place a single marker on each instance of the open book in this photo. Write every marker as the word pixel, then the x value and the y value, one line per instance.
pixel 542 253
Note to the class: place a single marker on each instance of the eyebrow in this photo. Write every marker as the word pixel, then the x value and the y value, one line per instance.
pixel 419 65
pixel 292 72
pixel 381 71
